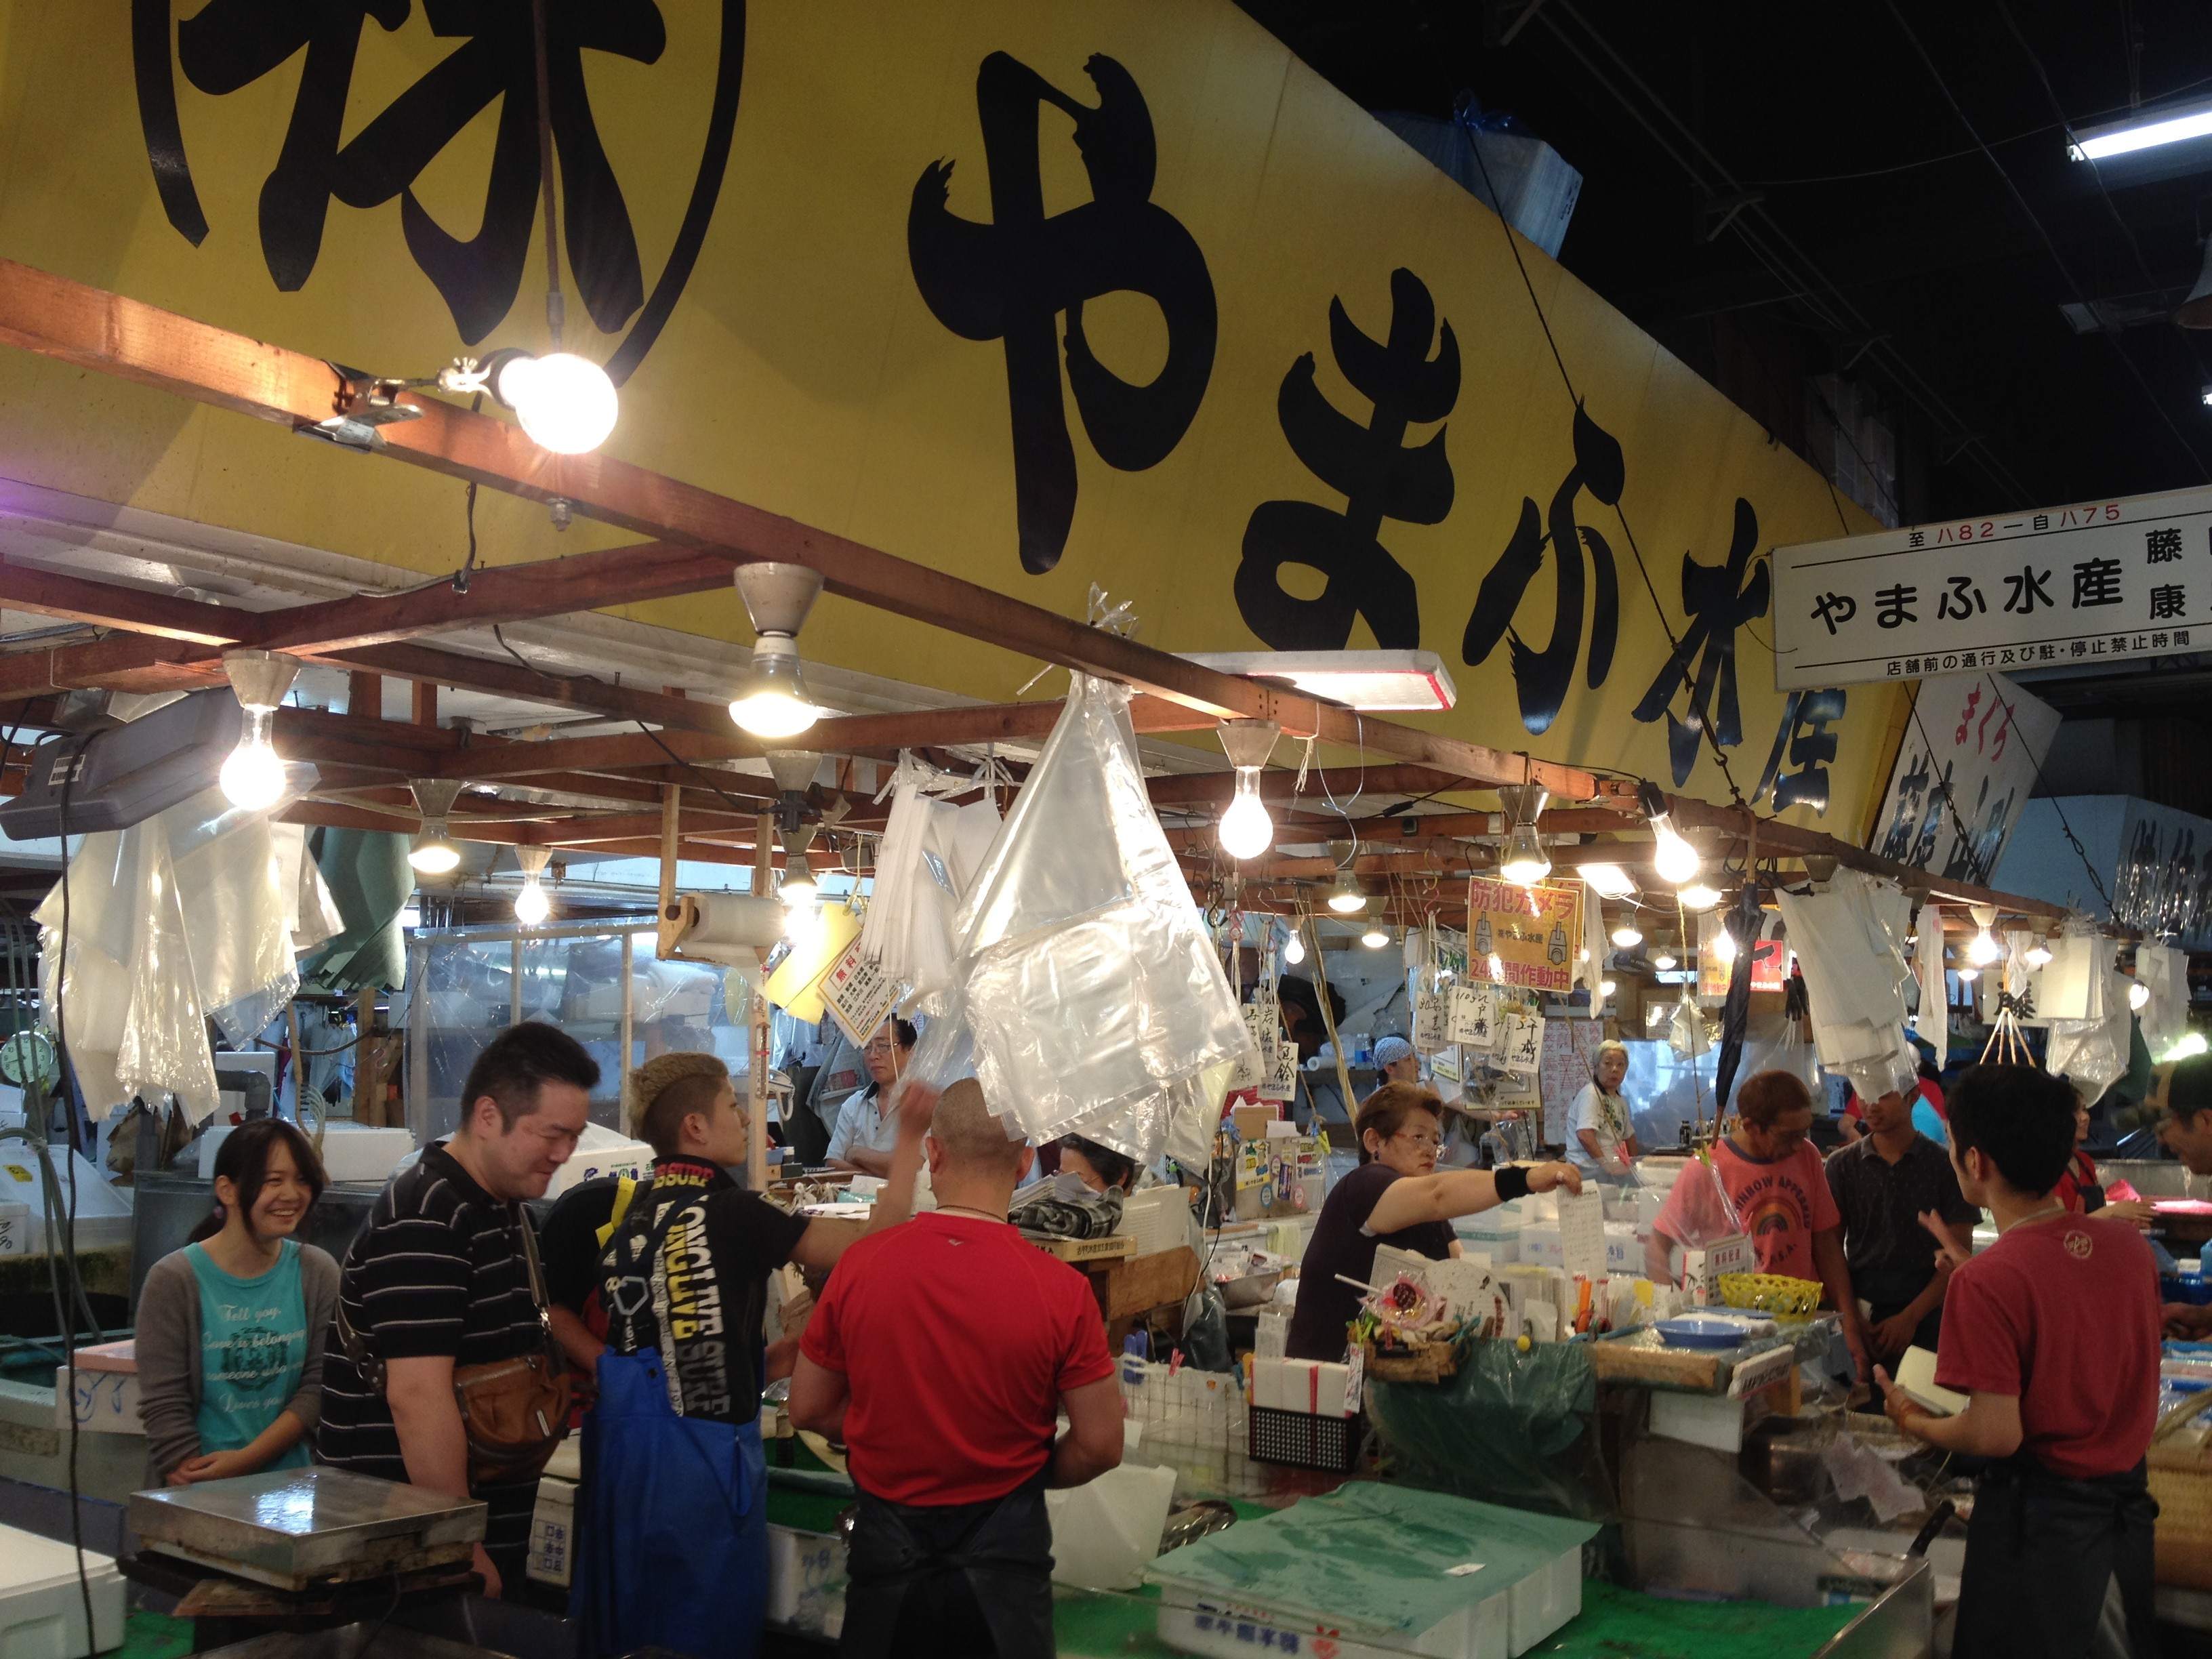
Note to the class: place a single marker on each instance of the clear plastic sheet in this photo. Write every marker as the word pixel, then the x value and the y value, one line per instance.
pixel 2093 1053
pixel 1849 941
pixel 172 921
pixel 2163 971
pixel 1086 980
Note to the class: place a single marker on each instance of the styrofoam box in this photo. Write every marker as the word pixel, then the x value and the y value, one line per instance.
pixel 633 1158
pixel 552 1533
pixel 1541 1246
pixel 806 1582
pixel 41 1607
pixel 15 1229
pixel 1159 1218
pixel 103 1210
pixel 107 1392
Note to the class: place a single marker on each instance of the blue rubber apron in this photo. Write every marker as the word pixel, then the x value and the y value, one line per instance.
pixel 672 1515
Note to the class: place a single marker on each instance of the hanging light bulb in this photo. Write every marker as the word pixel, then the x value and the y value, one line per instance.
pixel 1724 947
pixel 2037 955
pixel 1626 936
pixel 1698 899
pixel 1674 858
pixel 1984 949
pixel 2138 996
pixel 1523 861
pixel 252 774
pixel 1609 880
pixel 772 700
pixel 1606 987
pixel 533 904
pixel 1294 948
pixel 1246 831
pixel 1344 895
pixel 434 852
pixel 1374 938
pixel 565 402
pixel 1968 976
pixel 799 890
pixel 1663 962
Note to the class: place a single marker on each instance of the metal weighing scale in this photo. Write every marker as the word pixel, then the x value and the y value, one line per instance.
pixel 294 1529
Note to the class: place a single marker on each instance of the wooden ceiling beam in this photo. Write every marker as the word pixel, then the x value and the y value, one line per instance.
pixel 110 334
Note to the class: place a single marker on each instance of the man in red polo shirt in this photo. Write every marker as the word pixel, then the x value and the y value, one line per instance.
pixel 941 1354
pixel 2052 1332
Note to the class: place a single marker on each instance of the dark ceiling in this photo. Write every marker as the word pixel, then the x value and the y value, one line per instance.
pixel 1879 236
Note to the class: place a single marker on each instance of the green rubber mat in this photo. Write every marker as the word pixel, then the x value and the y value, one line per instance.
pixel 155 1636
pixel 1617 1623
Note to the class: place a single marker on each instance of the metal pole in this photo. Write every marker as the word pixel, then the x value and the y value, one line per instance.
pixel 622 1071
pixel 757 1146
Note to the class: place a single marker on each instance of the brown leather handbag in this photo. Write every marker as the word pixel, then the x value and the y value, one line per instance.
pixel 514 1412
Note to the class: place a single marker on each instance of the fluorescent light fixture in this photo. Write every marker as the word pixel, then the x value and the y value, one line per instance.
pixel 1609 880
pixel 1377 681
pixel 2175 126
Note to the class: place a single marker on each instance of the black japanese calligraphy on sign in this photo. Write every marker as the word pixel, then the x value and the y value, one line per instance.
pixel 1541 677
pixel 1833 608
pixel 1960 599
pixel 230 44
pixel 1895 605
pixel 1804 740
pixel 2028 591
pixel 1921 797
pixel 1380 476
pixel 2168 599
pixel 2096 581
pixel 1719 600
pixel 1010 277
pixel 2161 545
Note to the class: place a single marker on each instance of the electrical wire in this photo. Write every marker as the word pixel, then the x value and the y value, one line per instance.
pixel 68 1232
pixel 1673 642
pixel 2072 840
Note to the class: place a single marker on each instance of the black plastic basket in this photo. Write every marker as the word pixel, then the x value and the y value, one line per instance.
pixel 1305 1441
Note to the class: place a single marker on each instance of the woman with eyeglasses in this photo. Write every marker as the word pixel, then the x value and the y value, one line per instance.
pixel 1397 1196
pixel 867 1128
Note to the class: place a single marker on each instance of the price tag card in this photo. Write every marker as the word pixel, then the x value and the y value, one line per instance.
pixel 1521 1043
pixel 1582 1233
pixel 1263 1019
pixel 858 993
pixel 1282 1082
pixel 1431 1021
pixel 1473 1019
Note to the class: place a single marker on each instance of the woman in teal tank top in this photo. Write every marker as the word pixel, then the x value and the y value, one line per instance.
pixel 231 1329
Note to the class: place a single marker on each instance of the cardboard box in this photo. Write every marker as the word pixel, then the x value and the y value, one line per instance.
pixel 1111 1248
pixel 1252 1122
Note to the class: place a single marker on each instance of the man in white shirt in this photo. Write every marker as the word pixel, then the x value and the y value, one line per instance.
pixel 867 1129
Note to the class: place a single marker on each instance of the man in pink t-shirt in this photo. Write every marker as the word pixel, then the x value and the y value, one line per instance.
pixel 1778 1188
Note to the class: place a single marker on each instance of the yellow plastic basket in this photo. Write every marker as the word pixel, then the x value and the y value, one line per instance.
pixel 1777 1294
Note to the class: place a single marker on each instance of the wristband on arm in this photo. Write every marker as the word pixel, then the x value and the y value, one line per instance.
pixel 1510 1182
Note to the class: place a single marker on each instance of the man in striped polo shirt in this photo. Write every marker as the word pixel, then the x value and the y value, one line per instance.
pixel 439 1278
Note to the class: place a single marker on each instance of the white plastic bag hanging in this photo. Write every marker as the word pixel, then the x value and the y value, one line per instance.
pixel 2164 972
pixel 1849 940
pixel 2093 1053
pixel 1085 979
pixel 1933 1021
pixel 928 857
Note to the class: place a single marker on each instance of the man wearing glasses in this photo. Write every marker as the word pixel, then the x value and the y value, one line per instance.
pixel 867 1126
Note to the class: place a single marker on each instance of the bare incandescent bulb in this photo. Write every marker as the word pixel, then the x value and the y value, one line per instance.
pixel 1294 951
pixel 567 404
pixel 1627 936
pixel 531 903
pixel 253 774
pixel 1246 830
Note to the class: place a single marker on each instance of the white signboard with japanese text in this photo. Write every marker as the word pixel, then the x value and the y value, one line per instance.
pixel 2112 580
pixel 1963 775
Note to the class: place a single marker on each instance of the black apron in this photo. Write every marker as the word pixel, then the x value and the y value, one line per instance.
pixel 899 1551
pixel 2040 1551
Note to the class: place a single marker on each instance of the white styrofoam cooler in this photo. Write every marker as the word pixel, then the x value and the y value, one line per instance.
pixel 41 1607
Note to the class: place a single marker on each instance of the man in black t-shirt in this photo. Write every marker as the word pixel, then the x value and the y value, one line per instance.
pixel 674 1545
pixel 1883 1183
pixel 440 1278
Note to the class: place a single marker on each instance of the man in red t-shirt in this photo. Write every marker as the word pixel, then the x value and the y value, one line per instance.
pixel 1778 1189
pixel 941 1354
pixel 2052 1332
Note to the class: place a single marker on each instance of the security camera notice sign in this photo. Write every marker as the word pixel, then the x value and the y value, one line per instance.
pixel 858 993
pixel 2105 582
pixel 1527 936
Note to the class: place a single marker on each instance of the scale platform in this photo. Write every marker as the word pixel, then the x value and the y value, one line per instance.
pixel 292 1529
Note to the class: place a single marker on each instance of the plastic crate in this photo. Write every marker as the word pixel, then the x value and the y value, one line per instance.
pixel 1303 1441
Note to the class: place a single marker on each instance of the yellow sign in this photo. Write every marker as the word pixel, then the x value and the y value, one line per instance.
pixel 1040 293
pixel 1525 936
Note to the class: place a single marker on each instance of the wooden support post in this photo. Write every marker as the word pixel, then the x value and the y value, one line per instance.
pixel 756 1145
pixel 365 696
pixel 426 703
pixel 672 824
